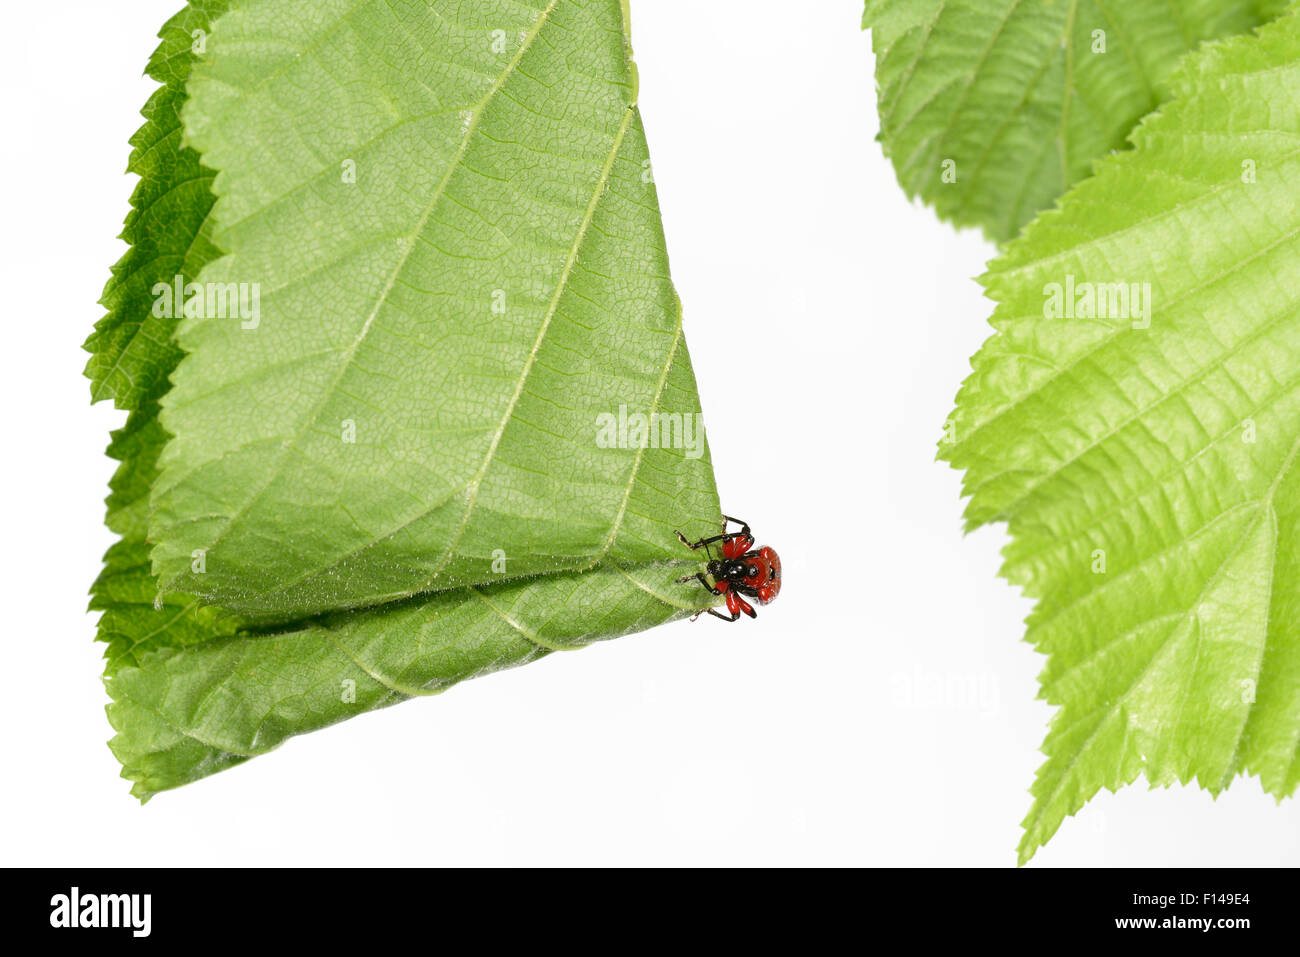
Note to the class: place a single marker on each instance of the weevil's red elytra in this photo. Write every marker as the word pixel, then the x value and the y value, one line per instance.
pixel 743 571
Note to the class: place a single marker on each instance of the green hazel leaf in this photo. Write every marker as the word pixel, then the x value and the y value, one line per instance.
pixel 132 351
pixel 454 272
pixel 187 714
pixel 195 687
pixel 991 109
pixel 1142 449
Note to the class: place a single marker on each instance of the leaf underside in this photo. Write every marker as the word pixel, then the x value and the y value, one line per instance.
pixel 991 109
pixel 1144 459
pixel 391 480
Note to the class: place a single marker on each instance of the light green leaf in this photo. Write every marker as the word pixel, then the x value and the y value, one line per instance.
pixel 492 284
pixel 991 109
pixel 1144 458
pixel 586 533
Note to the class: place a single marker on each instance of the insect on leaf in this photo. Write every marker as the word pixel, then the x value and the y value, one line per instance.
pixel 433 309
pixel 451 271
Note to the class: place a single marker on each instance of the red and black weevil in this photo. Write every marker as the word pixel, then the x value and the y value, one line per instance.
pixel 742 570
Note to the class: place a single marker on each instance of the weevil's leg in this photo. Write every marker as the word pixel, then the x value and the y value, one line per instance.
pixel 720 588
pixel 703 542
pixel 736 543
pixel 732 598
pixel 743 605
pixel 744 526
pixel 702 580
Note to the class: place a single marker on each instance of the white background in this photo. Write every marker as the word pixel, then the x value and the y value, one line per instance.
pixel 882 712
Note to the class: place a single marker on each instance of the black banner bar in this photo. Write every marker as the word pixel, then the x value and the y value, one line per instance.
pixel 337 908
